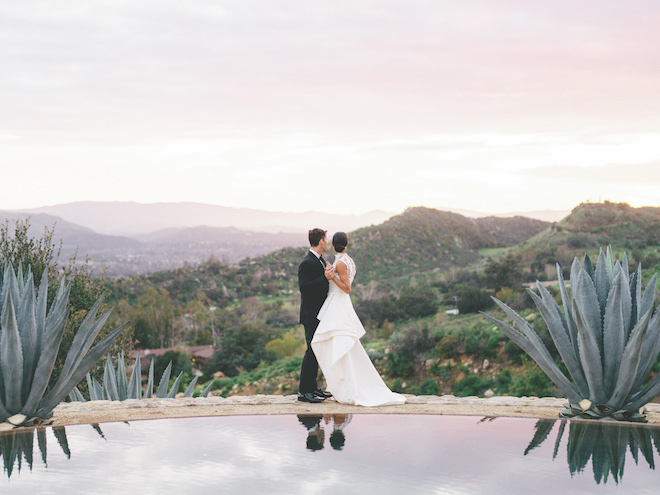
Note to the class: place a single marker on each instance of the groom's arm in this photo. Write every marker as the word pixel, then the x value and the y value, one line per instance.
pixel 308 280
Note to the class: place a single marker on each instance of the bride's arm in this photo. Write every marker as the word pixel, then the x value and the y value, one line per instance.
pixel 341 277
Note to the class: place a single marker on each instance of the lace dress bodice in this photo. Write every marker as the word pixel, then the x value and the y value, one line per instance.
pixel 348 261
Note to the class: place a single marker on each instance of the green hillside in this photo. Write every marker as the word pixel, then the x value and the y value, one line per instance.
pixel 425 239
pixel 411 269
pixel 591 225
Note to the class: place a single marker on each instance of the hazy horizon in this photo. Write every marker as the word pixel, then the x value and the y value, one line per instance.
pixel 292 106
pixel 466 212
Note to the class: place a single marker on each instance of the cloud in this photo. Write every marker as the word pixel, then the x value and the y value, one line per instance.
pixel 642 175
pixel 202 100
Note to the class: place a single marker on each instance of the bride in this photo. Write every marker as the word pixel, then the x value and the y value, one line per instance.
pixel 348 371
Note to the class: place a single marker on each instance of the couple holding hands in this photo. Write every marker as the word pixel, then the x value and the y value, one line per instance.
pixel 333 330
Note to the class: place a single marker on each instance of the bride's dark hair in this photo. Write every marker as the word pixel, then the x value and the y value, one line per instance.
pixel 340 241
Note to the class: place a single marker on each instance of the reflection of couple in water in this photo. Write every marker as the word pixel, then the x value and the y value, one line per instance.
pixel 316 434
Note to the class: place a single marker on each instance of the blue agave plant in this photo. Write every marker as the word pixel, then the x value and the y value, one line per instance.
pixel 117 386
pixel 606 335
pixel 30 338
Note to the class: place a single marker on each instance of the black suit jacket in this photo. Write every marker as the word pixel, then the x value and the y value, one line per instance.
pixel 313 287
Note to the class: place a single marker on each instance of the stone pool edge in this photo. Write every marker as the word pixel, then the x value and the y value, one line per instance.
pixel 72 413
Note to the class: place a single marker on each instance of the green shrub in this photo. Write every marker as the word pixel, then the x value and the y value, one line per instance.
pixel 472 384
pixel 283 347
pixel 471 300
pixel 533 382
pixel 448 346
pixel 427 387
pixel 397 386
pixel 407 350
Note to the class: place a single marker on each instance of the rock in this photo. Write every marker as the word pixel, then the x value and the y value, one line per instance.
pixel 218 374
pixel 489 393
pixel 485 365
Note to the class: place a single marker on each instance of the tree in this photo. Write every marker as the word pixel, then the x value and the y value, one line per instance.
pixel 153 317
pixel 198 317
pixel 507 272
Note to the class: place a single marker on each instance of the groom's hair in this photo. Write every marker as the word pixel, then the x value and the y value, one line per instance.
pixel 315 236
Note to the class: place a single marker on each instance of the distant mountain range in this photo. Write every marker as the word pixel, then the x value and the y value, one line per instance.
pixel 133 238
pixel 155 251
pixel 128 219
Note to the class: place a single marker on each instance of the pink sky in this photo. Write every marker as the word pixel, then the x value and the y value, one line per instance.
pixel 487 106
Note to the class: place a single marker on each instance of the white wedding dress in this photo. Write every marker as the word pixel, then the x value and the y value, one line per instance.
pixel 349 373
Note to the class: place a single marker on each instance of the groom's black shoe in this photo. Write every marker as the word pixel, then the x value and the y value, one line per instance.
pixel 322 394
pixel 309 397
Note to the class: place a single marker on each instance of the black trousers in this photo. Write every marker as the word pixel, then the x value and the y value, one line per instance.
pixel 310 367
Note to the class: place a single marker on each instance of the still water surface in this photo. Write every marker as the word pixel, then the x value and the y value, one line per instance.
pixel 366 454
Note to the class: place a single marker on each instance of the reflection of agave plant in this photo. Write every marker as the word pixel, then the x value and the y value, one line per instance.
pixel 604 444
pixel 18 445
pixel 606 336
pixel 116 385
pixel 29 342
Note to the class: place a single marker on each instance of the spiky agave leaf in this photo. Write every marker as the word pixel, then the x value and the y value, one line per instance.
pixel 25 318
pixel 54 326
pixel 94 387
pixel 207 390
pixel 560 434
pixel 164 383
pixel 190 388
pixel 82 342
pixel 542 429
pixel 149 391
pixel 613 336
pixel 532 344
pixel 629 364
pixel 41 441
pixel 589 322
pixel 52 399
pixel 122 381
pixel 76 396
pixel 602 281
pixel 568 310
pixel 11 357
pixel 557 326
pixel 175 387
pixel 60 435
pixel 110 391
pixel 134 389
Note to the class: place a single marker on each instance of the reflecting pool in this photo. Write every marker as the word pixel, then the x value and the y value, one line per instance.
pixel 379 454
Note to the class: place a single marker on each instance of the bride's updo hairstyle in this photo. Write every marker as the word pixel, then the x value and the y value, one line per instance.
pixel 340 241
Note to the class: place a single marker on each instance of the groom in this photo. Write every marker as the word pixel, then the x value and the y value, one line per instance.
pixel 314 275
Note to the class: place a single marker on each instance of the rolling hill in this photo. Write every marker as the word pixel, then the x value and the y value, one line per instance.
pixel 422 239
pixel 593 225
